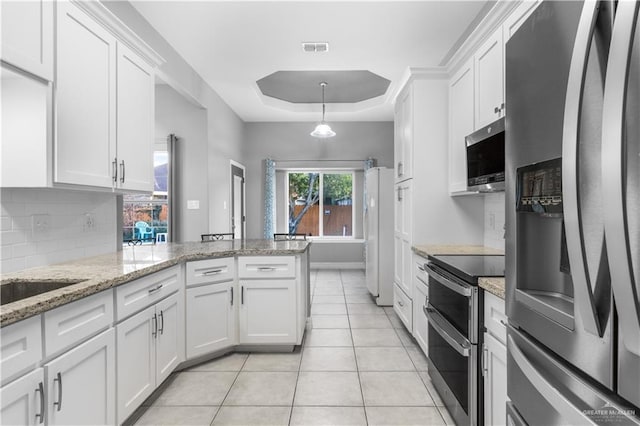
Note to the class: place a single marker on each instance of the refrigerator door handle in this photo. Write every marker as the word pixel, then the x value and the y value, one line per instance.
pixel 614 175
pixel 583 291
pixel 569 412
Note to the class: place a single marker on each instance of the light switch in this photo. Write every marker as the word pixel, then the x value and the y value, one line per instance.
pixel 193 204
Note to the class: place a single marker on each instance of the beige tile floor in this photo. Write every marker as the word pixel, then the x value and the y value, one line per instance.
pixel 357 366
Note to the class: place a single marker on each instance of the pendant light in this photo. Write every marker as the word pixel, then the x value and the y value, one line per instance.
pixel 323 130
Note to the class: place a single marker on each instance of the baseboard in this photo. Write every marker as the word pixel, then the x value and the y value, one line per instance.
pixel 337 265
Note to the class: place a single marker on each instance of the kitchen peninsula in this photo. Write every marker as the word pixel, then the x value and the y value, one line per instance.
pixel 132 317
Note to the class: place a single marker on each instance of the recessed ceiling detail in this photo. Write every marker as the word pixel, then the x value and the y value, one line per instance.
pixel 301 87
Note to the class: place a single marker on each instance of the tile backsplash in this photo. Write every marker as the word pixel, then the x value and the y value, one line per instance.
pixel 79 224
pixel 494 220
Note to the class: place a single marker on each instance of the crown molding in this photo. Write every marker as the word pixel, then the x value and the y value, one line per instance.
pixel 490 23
pixel 419 73
pixel 118 28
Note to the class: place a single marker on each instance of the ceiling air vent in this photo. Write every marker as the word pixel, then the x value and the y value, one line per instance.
pixel 315 46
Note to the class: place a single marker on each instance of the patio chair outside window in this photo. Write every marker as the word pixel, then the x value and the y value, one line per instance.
pixel 142 231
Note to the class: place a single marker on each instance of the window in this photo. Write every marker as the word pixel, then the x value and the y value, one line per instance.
pixel 320 203
pixel 145 217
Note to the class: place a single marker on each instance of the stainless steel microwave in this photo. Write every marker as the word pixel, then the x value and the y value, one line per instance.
pixel 485 158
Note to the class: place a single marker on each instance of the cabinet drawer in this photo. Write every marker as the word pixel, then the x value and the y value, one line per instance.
pixel 138 294
pixel 20 347
pixel 403 306
pixel 210 271
pixel 69 324
pixel 495 320
pixel 419 272
pixel 265 267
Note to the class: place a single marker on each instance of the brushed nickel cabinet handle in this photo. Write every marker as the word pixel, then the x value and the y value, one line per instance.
pixel 231 296
pixel 40 390
pixel 161 322
pixel 59 402
pixel 154 333
pixel 122 169
pixel 212 272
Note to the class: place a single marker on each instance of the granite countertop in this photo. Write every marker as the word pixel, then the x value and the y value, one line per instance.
pixel 493 285
pixel 102 272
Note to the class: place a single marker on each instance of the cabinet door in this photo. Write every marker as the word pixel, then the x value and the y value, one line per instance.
pixel 81 384
pixel 398 218
pixel 461 124
pixel 27 36
pixel 85 98
pixel 489 80
pixel 420 324
pixel 167 352
pixel 22 402
pixel 135 121
pixel 268 311
pixel 136 361
pixel 404 161
pixel 397 138
pixel 210 318
pixel 495 381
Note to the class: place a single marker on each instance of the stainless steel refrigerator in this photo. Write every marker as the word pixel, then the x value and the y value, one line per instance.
pixel 378 234
pixel 573 215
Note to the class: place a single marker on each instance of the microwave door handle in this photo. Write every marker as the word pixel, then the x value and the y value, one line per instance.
pixel 461 290
pixel 452 336
pixel 583 293
pixel 613 176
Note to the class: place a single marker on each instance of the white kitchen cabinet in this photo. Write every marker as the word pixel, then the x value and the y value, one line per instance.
pixel 211 318
pixel 420 300
pixel 27 36
pixel 22 402
pixel 105 105
pixel 403 236
pixel 81 384
pixel 495 381
pixel 403 306
pixel 489 80
pixel 135 122
pixel 403 147
pixel 148 351
pixel 494 360
pixel 20 347
pixel 268 311
pixel 461 124
pixel 85 144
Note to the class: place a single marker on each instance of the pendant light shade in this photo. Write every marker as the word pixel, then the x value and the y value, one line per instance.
pixel 323 130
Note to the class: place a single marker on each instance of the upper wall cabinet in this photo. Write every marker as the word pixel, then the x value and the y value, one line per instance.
pixel 461 123
pixel 27 36
pixel 105 104
pixel 489 80
pixel 403 147
pixel 85 146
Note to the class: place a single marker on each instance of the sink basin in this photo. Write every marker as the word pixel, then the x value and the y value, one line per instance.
pixel 18 290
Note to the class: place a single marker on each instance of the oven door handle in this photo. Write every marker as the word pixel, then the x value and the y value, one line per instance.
pixel 447 331
pixel 461 290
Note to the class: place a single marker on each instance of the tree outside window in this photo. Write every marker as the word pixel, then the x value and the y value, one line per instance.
pixel 321 203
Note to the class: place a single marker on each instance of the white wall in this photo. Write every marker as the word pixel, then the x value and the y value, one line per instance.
pixel 67 238
pixel 494 211
pixel 174 114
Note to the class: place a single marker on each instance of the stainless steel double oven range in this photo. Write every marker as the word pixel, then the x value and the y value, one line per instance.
pixel 454 313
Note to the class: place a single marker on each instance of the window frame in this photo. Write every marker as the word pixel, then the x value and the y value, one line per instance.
pixel 321 172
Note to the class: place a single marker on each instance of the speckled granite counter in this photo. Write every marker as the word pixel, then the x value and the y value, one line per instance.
pixel 425 250
pixel 494 286
pixel 105 271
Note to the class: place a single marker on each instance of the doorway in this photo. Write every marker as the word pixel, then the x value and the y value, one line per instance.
pixel 237 215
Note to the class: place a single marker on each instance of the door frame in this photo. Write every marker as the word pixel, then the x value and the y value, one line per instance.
pixel 237 169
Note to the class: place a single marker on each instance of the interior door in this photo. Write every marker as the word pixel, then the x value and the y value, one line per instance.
pixel 237 201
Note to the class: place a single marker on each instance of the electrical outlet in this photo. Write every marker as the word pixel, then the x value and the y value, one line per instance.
pixel 40 223
pixel 89 222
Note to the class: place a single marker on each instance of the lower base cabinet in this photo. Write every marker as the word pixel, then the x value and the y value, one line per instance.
pixel 268 311
pixel 147 353
pixel 22 402
pixel 81 384
pixel 420 323
pixel 210 318
pixel 495 381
